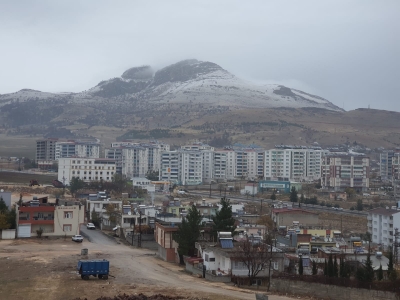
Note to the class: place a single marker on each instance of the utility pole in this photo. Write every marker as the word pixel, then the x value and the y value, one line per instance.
pixel 140 230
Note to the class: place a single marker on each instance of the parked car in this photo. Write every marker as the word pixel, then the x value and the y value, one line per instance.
pixel 90 226
pixel 77 238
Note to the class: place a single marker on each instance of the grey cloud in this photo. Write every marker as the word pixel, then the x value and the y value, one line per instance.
pixel 345 51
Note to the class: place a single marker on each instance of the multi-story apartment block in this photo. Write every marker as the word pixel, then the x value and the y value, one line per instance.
pixel 345 170
pixel 295 164
pixel 50 150
pixel 395 176
pixel 45 153
pixel 224 164
pixel 277 164
pixel 386 158
pixel 77 149
pixel 170 166
pixel 136 159
pixel 87 169
pixel 381 224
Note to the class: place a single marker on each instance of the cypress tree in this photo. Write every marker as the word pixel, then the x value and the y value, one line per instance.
pixel 293 195
pixel 314 268
pixel 380 273
pixel 369 271
pixel 330 266
pixel 326 268
pixel 335 268
pixel 301 266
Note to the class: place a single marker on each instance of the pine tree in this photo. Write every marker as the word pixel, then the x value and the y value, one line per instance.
pixel 335 268
pixel 293 195
pixel 301 266
pixel 223 220
pixel 380 273
pixel 314 268
pixel 330 266
pixel 273 196
pixel 3 206
pixel 188 232
pixel 302 199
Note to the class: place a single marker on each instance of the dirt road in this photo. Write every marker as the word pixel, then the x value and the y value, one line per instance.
pixel 45 269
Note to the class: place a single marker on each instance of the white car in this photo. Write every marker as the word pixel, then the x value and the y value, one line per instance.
pixel 77 238
pixel 90 226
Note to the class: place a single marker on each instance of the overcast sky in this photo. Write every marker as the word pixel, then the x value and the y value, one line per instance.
pixel 345 51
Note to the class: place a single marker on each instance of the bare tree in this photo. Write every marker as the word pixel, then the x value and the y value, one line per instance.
pixel 255 256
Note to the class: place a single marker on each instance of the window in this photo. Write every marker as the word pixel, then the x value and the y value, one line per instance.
pixel 67 227
pixel 212 259
pixel 68 215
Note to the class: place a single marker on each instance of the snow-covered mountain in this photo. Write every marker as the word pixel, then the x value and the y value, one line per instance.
pixel 141 98
pixel 198 82
pixel 189 81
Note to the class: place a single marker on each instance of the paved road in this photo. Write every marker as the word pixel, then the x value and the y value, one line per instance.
pixel 143 268
pixel 97 237
pixel 304 206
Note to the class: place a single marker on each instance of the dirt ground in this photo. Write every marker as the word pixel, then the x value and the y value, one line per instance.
pixel 348 224
pixel 41 269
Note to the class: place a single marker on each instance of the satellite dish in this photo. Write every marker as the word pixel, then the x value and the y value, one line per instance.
pixel 2 190
pixel 325 239
pixel 337 245
pixel 129 213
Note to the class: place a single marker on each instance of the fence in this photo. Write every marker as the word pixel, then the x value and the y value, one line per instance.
pixel 388 286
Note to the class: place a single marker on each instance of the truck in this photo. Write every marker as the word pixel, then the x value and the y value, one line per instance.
pixel 58 184
pixel 97 268
pixel 33 182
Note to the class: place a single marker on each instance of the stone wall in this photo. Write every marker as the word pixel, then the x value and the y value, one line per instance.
pixel 325 291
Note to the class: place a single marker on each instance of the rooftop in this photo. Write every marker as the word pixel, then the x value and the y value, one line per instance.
pixel 383 211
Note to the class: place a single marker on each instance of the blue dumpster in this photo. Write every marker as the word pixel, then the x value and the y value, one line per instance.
pixel 97 268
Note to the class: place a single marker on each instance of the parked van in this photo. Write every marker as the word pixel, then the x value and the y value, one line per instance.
pixel 366 194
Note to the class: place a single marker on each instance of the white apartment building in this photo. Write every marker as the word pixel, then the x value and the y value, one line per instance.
pixel 208 165
pixel 77 149
pixel 170 166
pixel 249 163
pixel 277 164
pixel 395 169
pixel 342 170
pixel 224 164
pixel 381 224
pixel 136 159
pixel 87 169
pixel 297 164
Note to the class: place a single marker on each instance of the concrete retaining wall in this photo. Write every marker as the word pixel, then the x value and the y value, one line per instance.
pixel 326 291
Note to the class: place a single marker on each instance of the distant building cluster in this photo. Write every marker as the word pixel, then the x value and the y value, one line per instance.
pixel 198 163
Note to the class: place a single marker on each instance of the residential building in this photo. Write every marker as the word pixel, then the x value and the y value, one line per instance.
pixel 294 164
pixel 136 159
pixel 143 183
pixel 87 169
pixel 346 170
pixel 100 208
pixel 45 153
pixel 381 224
pixel 395 169
pixel 224 164
pixel 386 160
pixel 50 218
pixel 77 149
pixel 167 247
